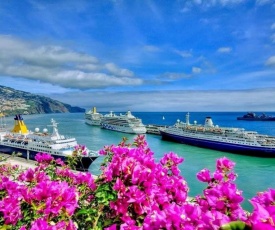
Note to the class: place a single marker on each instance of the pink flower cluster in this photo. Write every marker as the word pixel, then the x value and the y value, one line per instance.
pixel 80 150
pixel 40 198
pixel 220 202
pixel 145 189
pixel 263 216
pixel 132 192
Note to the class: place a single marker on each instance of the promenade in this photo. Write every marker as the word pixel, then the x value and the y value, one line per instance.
pixel 13 160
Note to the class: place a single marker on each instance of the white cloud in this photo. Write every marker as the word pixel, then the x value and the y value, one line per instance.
pixel 113 69
pixel 212 3
pixel 196 70
pixel 263 2
pixel 187 100
pixel 89 67
pixel 14 49
pixel 224 50
pixel 59 66
pixel 174 76
pixel 184 54
pixel 270 61
pixel 151 48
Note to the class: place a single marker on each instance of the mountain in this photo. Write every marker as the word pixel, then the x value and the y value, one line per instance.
pixel 15 101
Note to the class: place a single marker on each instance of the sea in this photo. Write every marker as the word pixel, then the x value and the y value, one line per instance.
pixel 255 174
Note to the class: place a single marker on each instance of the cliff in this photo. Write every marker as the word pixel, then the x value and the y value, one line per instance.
pixel 15 101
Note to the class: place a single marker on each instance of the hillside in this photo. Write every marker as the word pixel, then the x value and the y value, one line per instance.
pixel 15 101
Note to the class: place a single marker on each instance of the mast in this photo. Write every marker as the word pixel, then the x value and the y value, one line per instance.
pixel 55 130
pixel 187 118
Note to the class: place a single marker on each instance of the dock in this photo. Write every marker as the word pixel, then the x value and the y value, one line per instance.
pixel 14 160
pixel 154 129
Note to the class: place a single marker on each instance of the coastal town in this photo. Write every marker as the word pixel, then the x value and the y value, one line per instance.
pixel 14 101
pixel 8 105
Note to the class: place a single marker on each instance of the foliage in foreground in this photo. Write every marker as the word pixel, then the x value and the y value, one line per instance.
pixel 133 191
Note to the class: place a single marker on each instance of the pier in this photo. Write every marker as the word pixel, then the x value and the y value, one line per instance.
pixel 15 160
pixel 154 129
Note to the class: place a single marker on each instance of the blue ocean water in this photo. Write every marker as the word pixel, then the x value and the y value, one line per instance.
pixel 254 173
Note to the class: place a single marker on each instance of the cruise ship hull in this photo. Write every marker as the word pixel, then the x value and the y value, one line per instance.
pixel 82 165
pixel 92 122
pixel 123 129
pixel 220 146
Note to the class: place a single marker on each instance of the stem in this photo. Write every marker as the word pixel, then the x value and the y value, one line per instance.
pixel 96 220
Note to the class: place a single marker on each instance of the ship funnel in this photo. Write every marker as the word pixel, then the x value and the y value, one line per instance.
pixel 208 122
pixel 94 109
pixel 19 125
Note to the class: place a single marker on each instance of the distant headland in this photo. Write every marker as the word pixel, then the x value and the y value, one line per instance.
pixel 15 101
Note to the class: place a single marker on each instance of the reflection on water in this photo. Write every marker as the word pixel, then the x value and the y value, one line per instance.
pixel 95 166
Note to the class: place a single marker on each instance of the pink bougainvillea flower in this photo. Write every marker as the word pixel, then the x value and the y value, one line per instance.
pixel 112 227
pixel 262 215
pixel 44 158
pixel 10 208
pixel 57 196
pixel 41 223
pixel 171 159
pixel 224 164
pixel 84 178
pixel 60 162
pixel 204 175
pixel 27 176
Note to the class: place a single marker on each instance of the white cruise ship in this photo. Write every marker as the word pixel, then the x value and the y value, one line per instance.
pixel 28 143
pixel 228 139
pixel 126 123
pixel 92 117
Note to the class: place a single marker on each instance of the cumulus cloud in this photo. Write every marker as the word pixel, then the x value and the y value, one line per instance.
pixel 224 50
pixel 270 61
pixel 60 66
pixel 113 69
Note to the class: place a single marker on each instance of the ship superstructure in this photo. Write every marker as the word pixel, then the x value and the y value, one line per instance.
pixel 92 117
pixel 126 123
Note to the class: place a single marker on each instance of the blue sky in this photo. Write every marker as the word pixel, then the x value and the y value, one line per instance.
pixel 154 55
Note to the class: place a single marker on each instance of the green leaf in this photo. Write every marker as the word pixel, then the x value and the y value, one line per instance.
pixel 235 225
pixel 5 227
pixel 82 212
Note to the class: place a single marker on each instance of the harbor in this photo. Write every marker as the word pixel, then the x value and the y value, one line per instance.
pixel 157 100
pixel 195 158
pixel 206 135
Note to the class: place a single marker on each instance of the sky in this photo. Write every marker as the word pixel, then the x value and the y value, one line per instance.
pixel 142 55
